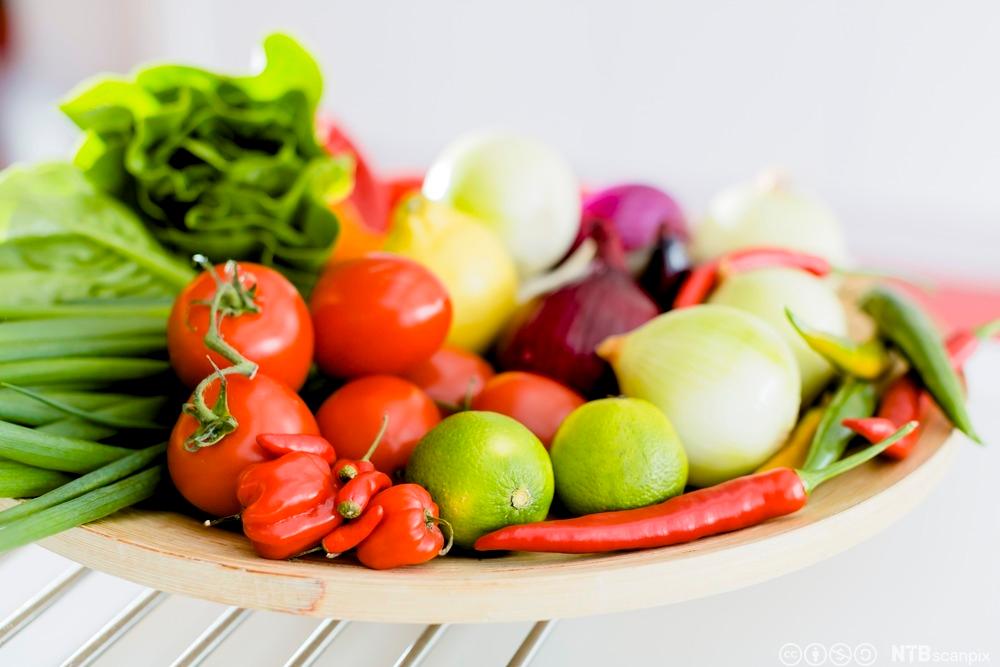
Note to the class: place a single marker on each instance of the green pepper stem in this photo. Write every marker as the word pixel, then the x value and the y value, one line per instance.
pixel 813 478
pixel 987 330
pixel 378 437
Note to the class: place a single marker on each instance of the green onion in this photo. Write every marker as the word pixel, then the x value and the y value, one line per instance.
pixel 75 328
pixel 82 370
pixel 118 309
pixel 54 452
pixel 137 346
pixel 147 407
pixel 82 509
pixel 22 481
pixel 112 472
pixel 86 415
pixel 20 409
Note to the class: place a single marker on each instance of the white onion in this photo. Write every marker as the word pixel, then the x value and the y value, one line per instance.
pixel 768 213
pixel 522 189
pixel 726 381
pixel 767 292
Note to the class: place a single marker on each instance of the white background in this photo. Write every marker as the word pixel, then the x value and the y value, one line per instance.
pixel 890 110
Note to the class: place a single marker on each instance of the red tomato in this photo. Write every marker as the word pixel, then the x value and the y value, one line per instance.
pixel 352 416
pixel 279 338
pixel 451 376
pixel 536 401
pixel 207 478
pixel 378 314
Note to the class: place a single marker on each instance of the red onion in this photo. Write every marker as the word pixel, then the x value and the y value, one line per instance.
pixel 667 269
pixel 556 335
pixel 637 211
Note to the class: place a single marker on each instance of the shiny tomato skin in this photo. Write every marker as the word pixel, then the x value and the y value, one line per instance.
pixel 538 402
pixel 207 478
pixel 378 314
pixel 279 338
pixel 352 416
pixel 451 376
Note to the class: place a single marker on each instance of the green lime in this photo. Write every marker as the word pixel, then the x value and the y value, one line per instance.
pixel 485 471
pixel 616 454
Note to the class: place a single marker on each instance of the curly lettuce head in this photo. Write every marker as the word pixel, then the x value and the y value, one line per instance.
pixel 226 166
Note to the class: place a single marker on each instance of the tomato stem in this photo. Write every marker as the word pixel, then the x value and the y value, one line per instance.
pixel 231 299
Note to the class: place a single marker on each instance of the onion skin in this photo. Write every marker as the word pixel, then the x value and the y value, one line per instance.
pixel 726 380
pixel 667 269
pixel 557 335
pixel 637 211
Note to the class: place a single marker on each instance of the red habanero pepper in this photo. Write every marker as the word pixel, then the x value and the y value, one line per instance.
pixel 738 503
pixel 750 259
pixel 698 285
pixel 354 496
pixel 280 444
pixel 347 469
pixel 348 535
pixel 289 504
pixel 408 533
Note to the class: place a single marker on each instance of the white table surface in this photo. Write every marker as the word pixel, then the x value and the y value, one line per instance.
pixel 931 580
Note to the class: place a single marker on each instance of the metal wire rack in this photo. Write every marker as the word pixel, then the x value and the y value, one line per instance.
pixel 321 640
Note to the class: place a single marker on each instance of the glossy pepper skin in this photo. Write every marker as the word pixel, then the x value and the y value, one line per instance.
pixel 868 360
pixel 751 259
pixel 903 322
pixel 704 278
pixel 738 503
pixel 347 469
pixel 279 444
pixel 408 533
pixel 348 535
pixel 854 398
pixel 289 504
pixel 353 497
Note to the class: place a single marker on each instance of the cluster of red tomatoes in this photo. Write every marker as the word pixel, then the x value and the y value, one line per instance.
pixel 379 323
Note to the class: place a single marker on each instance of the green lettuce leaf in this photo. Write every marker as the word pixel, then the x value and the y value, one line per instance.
pixel 220 165
pixel 64 241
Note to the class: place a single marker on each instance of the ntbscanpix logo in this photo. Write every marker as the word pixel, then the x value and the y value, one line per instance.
pixel 865 654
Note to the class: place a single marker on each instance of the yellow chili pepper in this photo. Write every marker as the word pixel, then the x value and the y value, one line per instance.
pixel 867 361
pixel 793 453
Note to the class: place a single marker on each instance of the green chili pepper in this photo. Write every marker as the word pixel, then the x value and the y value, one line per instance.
pixel 854 398
pixel 903 322
pixel 867 360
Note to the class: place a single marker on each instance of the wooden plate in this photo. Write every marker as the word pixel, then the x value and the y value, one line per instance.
pixel 177 554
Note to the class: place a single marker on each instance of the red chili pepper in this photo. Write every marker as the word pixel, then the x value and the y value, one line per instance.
pixel 408 533
pixel 355 495
pixel 348 469
pixel 699 284
pixel 704 278
pixel 280 444
pixel 349 535
pixel 901 403
pixel 288 504
pixel 762 258
pixel 738 503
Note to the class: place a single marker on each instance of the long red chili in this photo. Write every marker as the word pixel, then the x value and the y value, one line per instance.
pixel 699 284
pixel 704 278
pixel 349 535
pixel 353 497
pixel 738 503
pixel 763 258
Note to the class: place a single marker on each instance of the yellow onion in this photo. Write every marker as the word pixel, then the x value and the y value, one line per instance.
pixel 726 381
pixel 468 258
pixel 767 292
